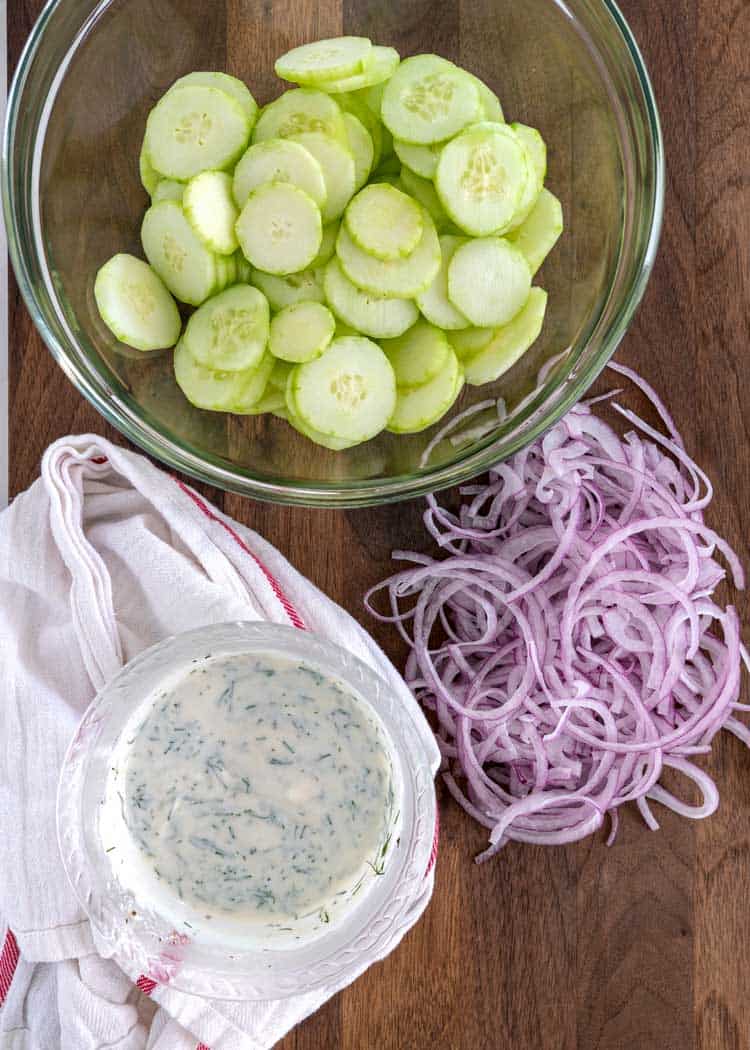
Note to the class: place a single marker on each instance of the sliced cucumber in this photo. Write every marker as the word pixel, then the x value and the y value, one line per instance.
pixel 272 400
pixel 422 160
pixel 195 128
pixel 489 102
pixel 381 65
pixel 325 440
pixel 223 82
pixel 307 285
pixel 150 177
pixel 481 177
pixel 360 147
pixel 469 341
pixel 342 56
pixel 428 99
pixel 135 305
pixel 418 407
pixel 177 253
pixel 297 111
pixel 211 211
pixel 243 269
pixel 423 191
pixel 349 393
pixel 301 332
pixel 339 173
pixel 327 245
pixel 489 281
pixel 168 190
pixel 343 329
pixel 352 103
pixel 433 302
pixel 219 391
pixel 384 222
pixel 418 355
pixel 399 278
pixel 372 96
pixel 280 374
pixel 539 234
pixel 229 332
pixel 278 160
pixel 279 229
pixel 536 162
pixel 226 271
pixel 509 342
pixel 379 317
pixel 389 166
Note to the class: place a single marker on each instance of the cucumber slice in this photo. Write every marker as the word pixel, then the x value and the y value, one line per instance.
pixel 195 128
pixel 360 147
pixel 434 302
pixel 168 190
pixel 352 103
pixel 481 176
pixel 230 331
pixel 384 222
pixel 219 391
pixel 349 393
pixel 327 245
pixel 243 269
pixel 399 278
pixel 305 286
pixel 381 65
pixel 536 162
pixel 489 102
pixel 344 329
pixel 509 342
pixel 539 234
pixel 423 191
pixel 469 341
pixel 135 305
pixel 279 375
pixel 489 281
pixel 428 99
pixel 337 165
pixel 278 160
pixel 418 407
pixel 211 211
pixel 177 253
pixel 379 317
pixel 389 166
pixel 231 86
pixel 301 332
pixel 372 97
pixel 279 229
pixel 150 177
pixel 325 440
pixel 418 355
pixel 422 160
pixel 271 400
pixel 342 56
pixel 297 111
pixel 226 271
pixel 387 179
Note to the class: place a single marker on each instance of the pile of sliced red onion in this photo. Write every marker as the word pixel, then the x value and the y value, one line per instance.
pixel 566 639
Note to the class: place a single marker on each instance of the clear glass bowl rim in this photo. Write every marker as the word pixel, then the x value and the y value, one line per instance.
pixel 534 419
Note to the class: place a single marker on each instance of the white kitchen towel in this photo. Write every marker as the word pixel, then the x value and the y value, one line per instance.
pixel 103 556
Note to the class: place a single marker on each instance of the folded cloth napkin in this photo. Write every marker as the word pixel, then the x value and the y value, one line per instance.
pixel 103 556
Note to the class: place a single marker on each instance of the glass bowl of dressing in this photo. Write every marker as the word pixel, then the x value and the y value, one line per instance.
pixel 246 811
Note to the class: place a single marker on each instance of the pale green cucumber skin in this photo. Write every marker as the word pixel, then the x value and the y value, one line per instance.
pixel 384 62
pixel 423 191
pixel 400 279
pixel 200 218
pixel 434 303
pixel 417 356
pixel 272 401
pixel 403 214
pixel 469 341
pixel 340 180
pixel 509 342
pixel 327 245
pixel 353 307
pixel 422 160
pixel 539 234
pixel 361 149
pixel 170 323
pixel 222 391
pixel 172 211
pixel 279 375
pixel 536 154
pixel 409 418
pixel 150 177
pixel 254 332
pixel 360 49
pixel 311 313
pixel 168 190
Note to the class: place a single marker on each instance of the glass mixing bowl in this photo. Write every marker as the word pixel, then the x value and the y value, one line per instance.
pixel 76 114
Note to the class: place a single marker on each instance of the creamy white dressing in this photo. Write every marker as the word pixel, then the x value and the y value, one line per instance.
pixel 251 792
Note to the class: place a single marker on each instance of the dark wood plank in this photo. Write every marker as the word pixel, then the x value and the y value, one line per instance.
pixel 646 944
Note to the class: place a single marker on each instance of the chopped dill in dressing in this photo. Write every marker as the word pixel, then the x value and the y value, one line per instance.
pixel 257 788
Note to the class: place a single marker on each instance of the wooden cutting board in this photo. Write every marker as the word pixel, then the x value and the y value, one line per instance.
pixel 646 945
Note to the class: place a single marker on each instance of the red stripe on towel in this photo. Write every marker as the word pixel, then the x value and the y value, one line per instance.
pixel 8 964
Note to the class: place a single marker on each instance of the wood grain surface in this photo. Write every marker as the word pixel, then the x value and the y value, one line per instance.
pixel 646 945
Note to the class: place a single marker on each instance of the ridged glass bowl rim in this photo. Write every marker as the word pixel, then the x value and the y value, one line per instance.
pixel 551 401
